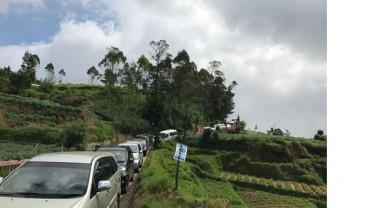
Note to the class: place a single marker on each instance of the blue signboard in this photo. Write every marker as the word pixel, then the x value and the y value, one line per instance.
pixel 181 152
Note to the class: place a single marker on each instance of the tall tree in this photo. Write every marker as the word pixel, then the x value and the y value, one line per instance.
pixel 159 77
pixel 29 66
pixel 113 63
pixel 184 76
pixel 130 76
pixel 5 85
pixel 213 66
pixel 160 73
pixel 93 74
pixel 143 70
pixel 26 75
pixel 61 75
pixel 50 71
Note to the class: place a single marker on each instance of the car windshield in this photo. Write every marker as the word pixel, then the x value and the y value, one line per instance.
pixel 47 180
pixel 133 147
pixel 119 154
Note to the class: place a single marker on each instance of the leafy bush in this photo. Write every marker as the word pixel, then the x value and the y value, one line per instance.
pixel 100 131
pixel 74 135
pixel 311 179
pixel 47 85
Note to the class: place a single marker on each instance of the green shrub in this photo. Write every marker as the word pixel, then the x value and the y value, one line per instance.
pixel 74 135
pixel 100 132
pixel 311 179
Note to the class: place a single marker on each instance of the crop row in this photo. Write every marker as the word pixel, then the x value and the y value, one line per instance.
pixel 313 190
pixel 44 135
pixel 36 117
pixel 14 99
pixel 260 199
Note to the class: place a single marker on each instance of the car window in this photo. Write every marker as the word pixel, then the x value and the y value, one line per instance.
pixel 120 154
pixel 104 170
pixel 44 179
pixel 114 166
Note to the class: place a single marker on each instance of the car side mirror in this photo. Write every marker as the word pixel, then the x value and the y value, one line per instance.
pixel 103 185
pixel 1 179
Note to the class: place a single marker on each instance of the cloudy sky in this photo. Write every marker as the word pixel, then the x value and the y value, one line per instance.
pixel 275 50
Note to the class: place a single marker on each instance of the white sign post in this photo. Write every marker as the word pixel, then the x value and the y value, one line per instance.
pixel 181 152
pixel 180 155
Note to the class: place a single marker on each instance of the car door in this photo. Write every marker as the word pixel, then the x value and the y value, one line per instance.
pixel 98 199
pixel 104 171
pixel 130 164
pixel 115 180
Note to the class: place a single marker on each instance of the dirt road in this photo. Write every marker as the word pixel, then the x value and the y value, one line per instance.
pixel 127 199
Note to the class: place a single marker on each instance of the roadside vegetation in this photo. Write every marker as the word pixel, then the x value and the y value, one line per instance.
pixel 233 173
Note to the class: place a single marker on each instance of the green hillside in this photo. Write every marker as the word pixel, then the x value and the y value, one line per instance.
pixel 31 120
pixel 237 171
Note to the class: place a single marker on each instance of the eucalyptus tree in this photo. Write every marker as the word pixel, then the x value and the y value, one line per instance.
pixel 160 73
pixel 144 67
pixel 29 65
pixel 214 96
pixel 184 76
pixel 129 76
pixel 93 74
pixel 61 75
pixel 50 70
pixel 159 77
pixel 113 63
pixel 26 75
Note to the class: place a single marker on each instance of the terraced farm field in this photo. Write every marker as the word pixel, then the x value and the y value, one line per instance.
pixel 278 186
pixel 261 199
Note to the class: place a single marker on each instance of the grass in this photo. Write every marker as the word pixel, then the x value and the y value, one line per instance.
pixel 261 199
pixel 158 176
pixel 203 181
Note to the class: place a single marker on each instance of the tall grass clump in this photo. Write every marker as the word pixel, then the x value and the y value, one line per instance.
pixel 154 177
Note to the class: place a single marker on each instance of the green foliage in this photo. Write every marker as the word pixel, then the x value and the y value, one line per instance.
pixel 74 135
pixel 311 179
pixel 261 199
pixel 157 180
pixel 44 135
pixel 101 131
pixel 47 85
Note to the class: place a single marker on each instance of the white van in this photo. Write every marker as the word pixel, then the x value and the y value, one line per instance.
pixel 168 134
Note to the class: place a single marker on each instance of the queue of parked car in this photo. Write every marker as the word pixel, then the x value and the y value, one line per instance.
pixel 80 179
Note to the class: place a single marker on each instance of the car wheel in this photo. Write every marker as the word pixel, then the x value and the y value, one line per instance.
pixel 124 188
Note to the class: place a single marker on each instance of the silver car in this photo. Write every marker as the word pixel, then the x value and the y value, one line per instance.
pixel 63 180
pixel 137 153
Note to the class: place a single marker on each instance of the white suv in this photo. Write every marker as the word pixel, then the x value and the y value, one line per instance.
pixel 63 179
